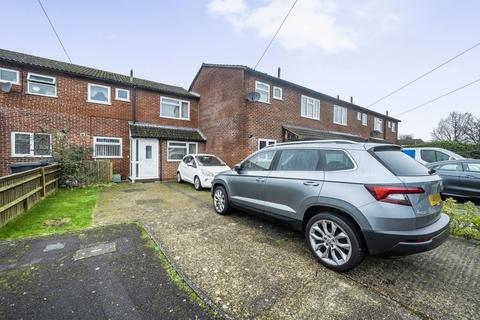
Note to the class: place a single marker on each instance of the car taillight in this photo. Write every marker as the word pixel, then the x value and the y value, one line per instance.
pixel 393 194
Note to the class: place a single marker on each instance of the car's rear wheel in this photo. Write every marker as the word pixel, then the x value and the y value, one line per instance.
pixel 220 200
pixel 179 177
pixel 334 241
pixel 197 184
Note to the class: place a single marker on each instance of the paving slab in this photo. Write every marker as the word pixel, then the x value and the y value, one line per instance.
pixel 254 268
pixel 129 282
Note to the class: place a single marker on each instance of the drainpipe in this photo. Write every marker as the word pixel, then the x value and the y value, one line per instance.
pixel 160 150
pixel 385 127
pixel 134 98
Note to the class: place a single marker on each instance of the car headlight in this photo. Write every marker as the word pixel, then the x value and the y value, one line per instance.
pixel 207 173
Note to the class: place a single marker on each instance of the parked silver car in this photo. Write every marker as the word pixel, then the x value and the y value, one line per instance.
pixel 348 198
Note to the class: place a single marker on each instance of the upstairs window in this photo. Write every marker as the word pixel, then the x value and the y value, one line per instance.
pixel 359 116
pixel 277 93
pixel 264 90
pixel 310 108
pixel 174 108
pixel 8 75
pixel 378 125
pixel 340 115
pixel 389 124
pixel 98 94
pixel 26 144
pixel 107 147
pixel 41 85
pixel 122 94
pixel 364 119
pixel 262 143
pixel 393 126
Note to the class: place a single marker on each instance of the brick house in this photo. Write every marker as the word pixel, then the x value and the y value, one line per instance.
pixel 143 127
pixel 281 111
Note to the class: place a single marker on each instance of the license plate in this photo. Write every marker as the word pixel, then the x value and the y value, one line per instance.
pixel 434 199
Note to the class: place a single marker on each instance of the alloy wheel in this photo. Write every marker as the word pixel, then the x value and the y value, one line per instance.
pixel 330 242
pixel 219 200
pixel 197 183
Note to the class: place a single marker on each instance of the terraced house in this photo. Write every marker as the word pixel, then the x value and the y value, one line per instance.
pixel 143 127
pixel 242 110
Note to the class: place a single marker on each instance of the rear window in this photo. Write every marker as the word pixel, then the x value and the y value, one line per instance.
pixel 400 163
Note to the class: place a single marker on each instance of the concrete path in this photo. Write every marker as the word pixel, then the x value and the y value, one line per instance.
pixel 118 275
pixel 253 268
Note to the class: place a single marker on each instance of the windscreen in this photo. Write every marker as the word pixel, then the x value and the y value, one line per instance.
pixel 209 161
pixel 400 163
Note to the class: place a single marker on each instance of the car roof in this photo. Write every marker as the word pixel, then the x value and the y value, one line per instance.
pixel 439 163
pixel 331 144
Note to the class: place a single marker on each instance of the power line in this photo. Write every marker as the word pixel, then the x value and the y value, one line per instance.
pixel 278 30
pixel 439 97
pixel 54 31
pixel 425 74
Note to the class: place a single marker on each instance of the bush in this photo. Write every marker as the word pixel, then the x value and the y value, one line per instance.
pixel 70 156
pixel 464 219
pixel 466 150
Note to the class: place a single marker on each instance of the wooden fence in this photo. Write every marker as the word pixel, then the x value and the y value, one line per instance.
pixel 20 191
pixel 100 171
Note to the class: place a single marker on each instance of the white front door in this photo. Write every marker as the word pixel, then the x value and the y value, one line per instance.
pixel 147 159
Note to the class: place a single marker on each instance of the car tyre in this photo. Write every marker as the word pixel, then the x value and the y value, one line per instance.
pixel 179 177
pixel 334 241
pixel 221 204
pixel 197 184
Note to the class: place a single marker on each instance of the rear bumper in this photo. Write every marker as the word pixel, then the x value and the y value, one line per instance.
pixel 411 241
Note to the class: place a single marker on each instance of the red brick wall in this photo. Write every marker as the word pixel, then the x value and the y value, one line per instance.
pixel 223 114
pixel 70 111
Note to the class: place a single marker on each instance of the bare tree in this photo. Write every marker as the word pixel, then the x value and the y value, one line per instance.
pixel 473 133
pixel 455 127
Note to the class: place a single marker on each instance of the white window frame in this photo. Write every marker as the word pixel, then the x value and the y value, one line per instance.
pixel 344 116
pixel 16 71
pixel 268 94
pixel 365 119
pixel 281 93
pixel 267 141
pixel 359 116
pixel 109 96
pixel 393 126
pixel 380 121
pixel 31 154
pixel 107 143
pixel 45 76
pixel 313 100
pixel 122 99
pixel 389 124
pixel 180 109
pixel 187 146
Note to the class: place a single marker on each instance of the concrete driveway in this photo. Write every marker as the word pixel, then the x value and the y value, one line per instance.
pixel 253 268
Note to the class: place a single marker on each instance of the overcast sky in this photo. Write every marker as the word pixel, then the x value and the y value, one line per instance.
pixel 349 48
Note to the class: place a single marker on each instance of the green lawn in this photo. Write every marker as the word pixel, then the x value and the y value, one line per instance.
pixel 74 204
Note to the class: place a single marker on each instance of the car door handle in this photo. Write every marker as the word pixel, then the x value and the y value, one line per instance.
pixel 311 183
pixel 260 179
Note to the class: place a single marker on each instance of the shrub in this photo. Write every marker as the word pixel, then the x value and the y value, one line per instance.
pixel 464 219
pixel 70 156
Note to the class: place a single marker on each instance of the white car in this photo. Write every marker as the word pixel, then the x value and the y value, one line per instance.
pixel 429 155
pixel 200 169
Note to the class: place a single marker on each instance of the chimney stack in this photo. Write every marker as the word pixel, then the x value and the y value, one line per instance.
pixel 338 97
pixel 278 72
pixel 351 99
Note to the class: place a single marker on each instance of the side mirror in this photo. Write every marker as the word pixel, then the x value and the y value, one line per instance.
pixel 237 168
pixel 190 164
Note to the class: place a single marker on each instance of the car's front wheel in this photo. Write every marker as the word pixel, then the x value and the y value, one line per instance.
pixel 334 241
pixel 197 184
pixel 220 200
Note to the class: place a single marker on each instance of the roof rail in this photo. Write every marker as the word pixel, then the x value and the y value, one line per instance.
pixel 336 141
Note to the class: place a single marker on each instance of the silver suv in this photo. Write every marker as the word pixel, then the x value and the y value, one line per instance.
pixel 349 199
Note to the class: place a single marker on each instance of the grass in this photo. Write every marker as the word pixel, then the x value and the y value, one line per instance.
pixel 464 219
pixel 75 206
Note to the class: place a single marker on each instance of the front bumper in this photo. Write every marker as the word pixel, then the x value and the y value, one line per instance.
pixel 411 241
pixel 207 182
